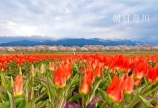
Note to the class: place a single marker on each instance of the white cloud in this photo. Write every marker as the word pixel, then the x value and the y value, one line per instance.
pixel 85 18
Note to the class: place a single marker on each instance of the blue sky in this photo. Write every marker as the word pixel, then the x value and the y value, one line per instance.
pixel 80 18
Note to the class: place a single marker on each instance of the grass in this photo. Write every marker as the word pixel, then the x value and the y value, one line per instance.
pixel 106 53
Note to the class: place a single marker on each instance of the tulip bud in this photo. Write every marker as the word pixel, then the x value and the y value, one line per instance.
pixel 18 86
pixel 42 69
pixel 20 72
pixel 11 82
pixel 51 66
pixel 32 71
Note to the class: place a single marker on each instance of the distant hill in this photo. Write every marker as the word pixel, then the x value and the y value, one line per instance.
pixel 78 42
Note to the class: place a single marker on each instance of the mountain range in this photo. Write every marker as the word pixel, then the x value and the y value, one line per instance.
pixel 35 40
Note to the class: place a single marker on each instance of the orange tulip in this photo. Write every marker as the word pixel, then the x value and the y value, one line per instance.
pixel 152 74
pixel 84 88
pixel 128 84
pixel 59 78
pixel 18 86
pixel 140 70
pixel 62 74
pixel 115 90
pixel 86 83
pixel 68 69
pixel 99 70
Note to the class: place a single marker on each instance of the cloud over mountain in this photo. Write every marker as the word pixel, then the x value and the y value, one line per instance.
pixel 84 18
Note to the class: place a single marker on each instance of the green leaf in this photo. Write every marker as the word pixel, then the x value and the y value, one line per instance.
pixel 145 102
pixel 75 97
pixel 144 92
pixel 145 81
pixel 109 77
pixel 69 85
pixel 6 104
pixel 99 104
pixel 103 105
pixel 3 79
pixel 10 99
pixel 92 95
pixel 22 104
pixel 102 93
pixel 42 104
pixel 29 105
pixel 104 84
pixel 115 105
pixel 52 93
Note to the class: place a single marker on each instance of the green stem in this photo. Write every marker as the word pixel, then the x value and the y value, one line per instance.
pixel 92 95
pixel 123 101
pixel 82 102
pixel 63 99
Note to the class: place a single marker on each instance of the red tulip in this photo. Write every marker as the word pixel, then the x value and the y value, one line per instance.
pixel 99 70
pixel 68 69
pixel 152 74
pixel 115 90
pixel 128 85
pixel 62 74
pixel 86 83
pixel 84 88
pixel 140 70
pixel 59 77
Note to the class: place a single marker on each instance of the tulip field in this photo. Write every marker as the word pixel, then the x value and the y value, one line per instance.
pixel 78 81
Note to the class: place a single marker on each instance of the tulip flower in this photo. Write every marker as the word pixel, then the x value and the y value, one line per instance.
pixel 86 83
pixel 152 74
pixel 18 86
pixel 99 70
pixel 62 74
pixel 68 69
pixel 128 85
pixel 59 77
pixel 115 90
pixel 140 70
pixel 84 88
